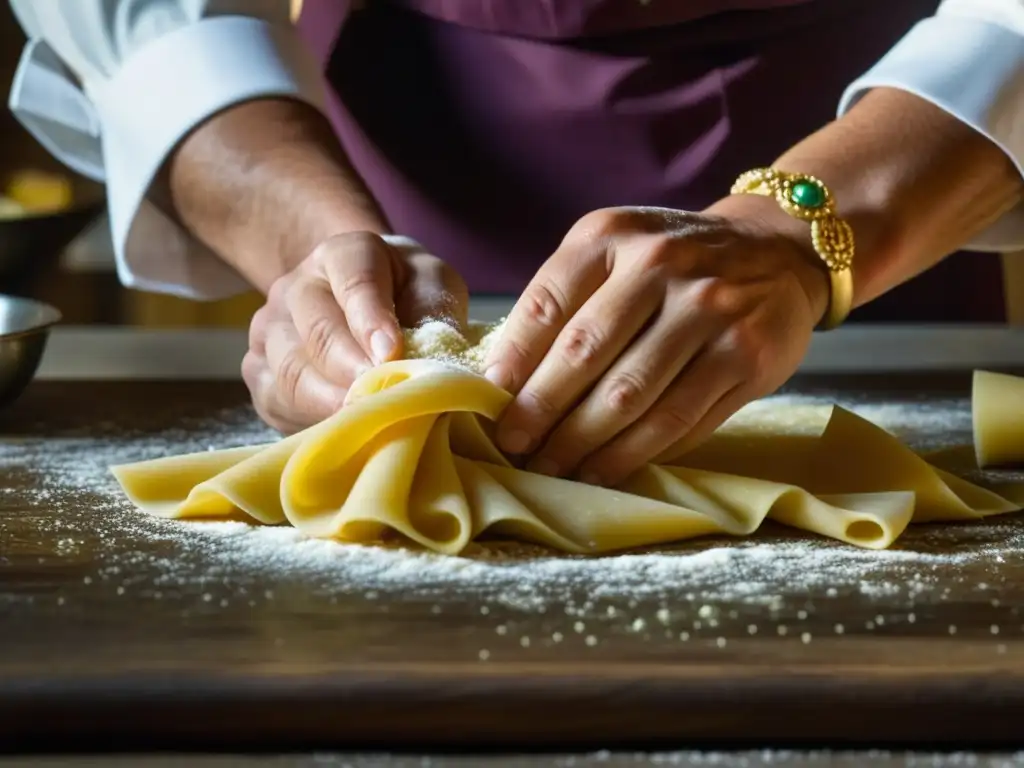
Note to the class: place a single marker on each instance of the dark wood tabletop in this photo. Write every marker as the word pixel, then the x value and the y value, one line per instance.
pixel 125 631
pixel 688 759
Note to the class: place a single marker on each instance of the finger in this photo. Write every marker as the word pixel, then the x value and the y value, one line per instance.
pixel 433 290
pixel 708 379
pixel 259 379
pixel 555 294
pixel 258 330
pixel 301 392
pixel 324 331
pixel 716 415
pixel 589 343
pixel 359 271
pixel 630 387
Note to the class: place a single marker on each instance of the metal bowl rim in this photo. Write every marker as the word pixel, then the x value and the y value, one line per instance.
pixel 53 317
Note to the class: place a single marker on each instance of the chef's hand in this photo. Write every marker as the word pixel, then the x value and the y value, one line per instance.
pixel 337 314
pixel 648 328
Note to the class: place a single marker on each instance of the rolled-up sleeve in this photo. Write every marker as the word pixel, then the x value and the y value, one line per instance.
pixel 968 60
pixel 112 88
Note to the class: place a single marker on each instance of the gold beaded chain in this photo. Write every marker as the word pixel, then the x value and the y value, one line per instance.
pixel 807 198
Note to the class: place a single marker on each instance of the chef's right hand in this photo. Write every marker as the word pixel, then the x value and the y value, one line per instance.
pixel 337 314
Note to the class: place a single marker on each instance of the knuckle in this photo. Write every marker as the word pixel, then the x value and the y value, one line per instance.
pixel 538 403
pixel 255 374
pixel 598 224
pixel 288 376
pixel 360 239
pixel 710 295
pixel 581 346
pixel 320 339
pixel 295 299
pixel 250 364
pixel 269 411
pixel 278 292
pixel 352 283
pixel 291 295
pixel 743 348
pixel 624 394
pixel 282 426
pixel 318 259
pixel 337 245
pixel 258 326
pixel 661 252
pixel 513 357
pixel 514 352
pixel 672 421
pixel 544 304
pixel 251 373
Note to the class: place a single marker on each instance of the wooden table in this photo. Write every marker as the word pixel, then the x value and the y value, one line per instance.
pixel 118 630
pixel 749 759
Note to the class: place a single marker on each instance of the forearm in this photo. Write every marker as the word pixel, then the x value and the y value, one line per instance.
pixel 915 183
pixel 263 183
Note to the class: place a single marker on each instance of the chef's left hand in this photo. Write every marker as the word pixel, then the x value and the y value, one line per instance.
pixel 648 328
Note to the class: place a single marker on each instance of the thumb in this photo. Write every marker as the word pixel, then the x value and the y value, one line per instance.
pixel 360 271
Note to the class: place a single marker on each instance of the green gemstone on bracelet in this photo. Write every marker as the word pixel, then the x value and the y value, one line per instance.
pixel 807 194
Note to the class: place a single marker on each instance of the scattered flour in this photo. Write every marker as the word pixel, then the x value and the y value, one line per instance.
pixel 440 340
pixel 764 585
pixel 80 506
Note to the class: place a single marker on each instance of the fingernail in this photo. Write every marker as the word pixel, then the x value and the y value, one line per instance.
pixel 515 441
pixel 382 346
pixel 544 466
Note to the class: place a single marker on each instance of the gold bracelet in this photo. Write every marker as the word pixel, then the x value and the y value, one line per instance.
pixel 807 198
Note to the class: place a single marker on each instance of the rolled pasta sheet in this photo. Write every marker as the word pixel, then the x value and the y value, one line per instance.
pixel 411 454
pixel 997 402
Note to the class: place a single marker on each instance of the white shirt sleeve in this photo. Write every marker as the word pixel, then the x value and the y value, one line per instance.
pixel 110 87
pixel 967 59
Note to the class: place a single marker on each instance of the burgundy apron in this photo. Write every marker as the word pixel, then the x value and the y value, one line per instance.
pixel 485 128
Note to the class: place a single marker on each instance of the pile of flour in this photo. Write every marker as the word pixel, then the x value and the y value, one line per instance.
pixel 442 340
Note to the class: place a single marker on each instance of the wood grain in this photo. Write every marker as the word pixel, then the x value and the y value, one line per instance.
pixel 83 664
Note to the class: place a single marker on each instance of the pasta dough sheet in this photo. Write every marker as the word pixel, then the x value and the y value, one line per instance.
pixel 410 453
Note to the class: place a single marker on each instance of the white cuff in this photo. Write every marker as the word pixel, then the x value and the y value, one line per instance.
pixel 972 70
pixel 160 94
pixel 46 101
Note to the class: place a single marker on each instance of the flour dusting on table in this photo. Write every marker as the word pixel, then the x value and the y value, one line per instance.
pixel 81 505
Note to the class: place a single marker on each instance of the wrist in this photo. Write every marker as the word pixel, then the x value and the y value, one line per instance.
pixel 263 184
pixel 914 182
pixel 762 219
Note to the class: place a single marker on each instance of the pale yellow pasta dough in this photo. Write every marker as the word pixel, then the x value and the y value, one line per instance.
pixel 410 453
pixel 998 413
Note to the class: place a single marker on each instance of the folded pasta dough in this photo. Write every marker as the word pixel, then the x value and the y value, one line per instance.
pixel 411 453
pixel 997 408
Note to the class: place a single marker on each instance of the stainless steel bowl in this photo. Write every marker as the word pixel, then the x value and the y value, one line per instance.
pixel 24 330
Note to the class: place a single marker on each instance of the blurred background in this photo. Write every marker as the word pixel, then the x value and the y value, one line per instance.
pixel 54 238
pixel 55 244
